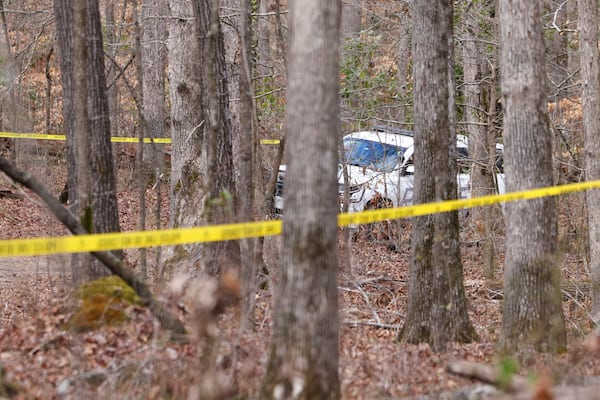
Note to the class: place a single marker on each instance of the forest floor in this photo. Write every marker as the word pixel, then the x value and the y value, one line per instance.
pixel 138 361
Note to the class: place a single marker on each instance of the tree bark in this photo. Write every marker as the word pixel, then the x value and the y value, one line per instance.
pixel 111 71
pixel 404 59
pixel 188 155
pixel 532 313
pixel 436 301
pixel 247 164
pixel 303 361
pixel 482 141
pixel 220 187
pixel 82 267
pixel 590 81
pixel 153 60
pixel 85 109
pixel 105 206
pixel 351 18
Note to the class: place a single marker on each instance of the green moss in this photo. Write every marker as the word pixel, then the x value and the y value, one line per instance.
pixel 103 302
pixel 87 221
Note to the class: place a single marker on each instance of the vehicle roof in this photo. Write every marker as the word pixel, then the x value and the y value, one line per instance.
pixel 395 139
pixel 403 138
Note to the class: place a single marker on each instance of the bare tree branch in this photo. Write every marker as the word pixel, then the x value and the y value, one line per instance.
pixel 111 261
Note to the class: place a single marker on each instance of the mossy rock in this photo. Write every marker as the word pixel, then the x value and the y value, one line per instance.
pixel 103 302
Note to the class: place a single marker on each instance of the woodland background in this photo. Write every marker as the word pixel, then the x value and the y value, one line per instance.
pixel 48 348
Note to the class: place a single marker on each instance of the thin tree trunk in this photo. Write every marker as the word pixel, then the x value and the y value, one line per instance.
pixel 482 169
pixel 111 71
pixel 82 263
pixel 153 59
pixel 105 207
pixel 404 52
pixel 48 89
pixel 247 165
pixel 220 187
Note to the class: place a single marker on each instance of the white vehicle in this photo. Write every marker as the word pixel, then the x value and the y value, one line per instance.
pixel 381 170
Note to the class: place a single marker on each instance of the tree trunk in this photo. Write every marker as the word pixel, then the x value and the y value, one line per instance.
pixel 153 62
pixel 436 302
pixel 446 252
pixel 8 66
pixel 105 206
pixel 72 22
pixel 266 42
pixel 111 70
pixel 404 58
pixel 85 110
pixel 247 164
pixel 303 361
pixel 590 80
pixel 220 188
pixel 482 141
pixel 188 157
pixel 351 18
pixel 532 312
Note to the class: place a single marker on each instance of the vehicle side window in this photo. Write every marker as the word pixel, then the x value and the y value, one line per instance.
pixel 409 167
pixel 499 161
pixel 464 164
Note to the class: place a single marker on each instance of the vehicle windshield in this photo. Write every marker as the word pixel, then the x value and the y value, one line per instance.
pixel 374 155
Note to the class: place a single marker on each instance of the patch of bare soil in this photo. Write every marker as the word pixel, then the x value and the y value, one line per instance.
pixel 137 360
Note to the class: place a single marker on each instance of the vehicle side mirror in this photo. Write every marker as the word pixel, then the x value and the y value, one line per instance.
pixel 409 170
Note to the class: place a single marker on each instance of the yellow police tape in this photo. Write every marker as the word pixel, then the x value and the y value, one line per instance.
pixel 169 237
pixel 45 136
pixel 114 139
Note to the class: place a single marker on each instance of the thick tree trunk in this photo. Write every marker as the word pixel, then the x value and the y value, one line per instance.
pixel 90 163
pixel 532 312
pixel 590 80
pixel 436 301
pixel 188 157
pixel 303 361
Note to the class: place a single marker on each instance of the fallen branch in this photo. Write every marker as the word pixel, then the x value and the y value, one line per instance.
pixel 487 374
pixel 519 387
pixel 373 324
pixel 111 261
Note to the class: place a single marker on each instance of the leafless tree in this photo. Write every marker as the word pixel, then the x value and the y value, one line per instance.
pixel 532 313
pixel 436 301
pixel 588 44
pixel 303 361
